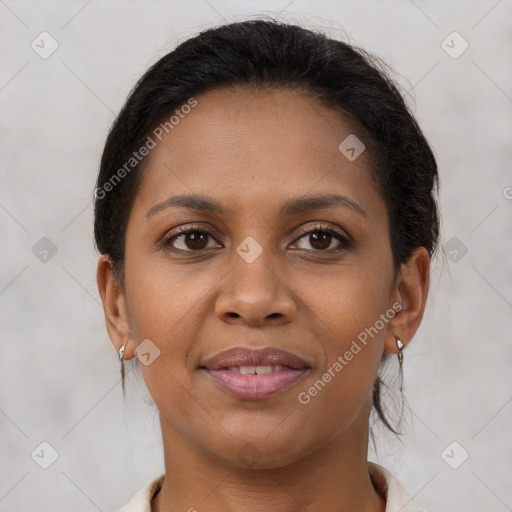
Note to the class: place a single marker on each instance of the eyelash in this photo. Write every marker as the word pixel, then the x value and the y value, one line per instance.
pixel 320 228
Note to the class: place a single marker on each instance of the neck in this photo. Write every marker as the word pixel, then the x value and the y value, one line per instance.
pixel 334 477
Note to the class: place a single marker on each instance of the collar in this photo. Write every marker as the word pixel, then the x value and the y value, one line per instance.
pixel 397 500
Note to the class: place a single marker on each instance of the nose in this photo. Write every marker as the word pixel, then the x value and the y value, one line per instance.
pixel 255 294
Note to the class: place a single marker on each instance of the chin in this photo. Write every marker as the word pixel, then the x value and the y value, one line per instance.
pixel 262 448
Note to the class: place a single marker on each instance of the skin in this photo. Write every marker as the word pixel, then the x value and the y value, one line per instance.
pixel 251 152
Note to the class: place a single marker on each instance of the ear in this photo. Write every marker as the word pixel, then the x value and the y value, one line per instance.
pixel 411 291
pixel 114 308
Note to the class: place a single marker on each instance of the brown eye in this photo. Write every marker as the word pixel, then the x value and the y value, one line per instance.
pixel 321 240
pixel 189 240
pixel 195 240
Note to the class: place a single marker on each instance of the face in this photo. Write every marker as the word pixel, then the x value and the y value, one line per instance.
pixel 299 287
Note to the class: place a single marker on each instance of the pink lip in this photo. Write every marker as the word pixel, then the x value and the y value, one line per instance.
pixel 255 387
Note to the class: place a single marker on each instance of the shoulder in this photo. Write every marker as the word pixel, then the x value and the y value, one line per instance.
pixel 141 501
pixel 397 499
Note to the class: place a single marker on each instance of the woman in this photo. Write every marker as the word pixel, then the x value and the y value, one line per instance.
pixel 265 212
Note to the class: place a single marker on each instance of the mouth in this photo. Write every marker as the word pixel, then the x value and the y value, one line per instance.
pixel 250 374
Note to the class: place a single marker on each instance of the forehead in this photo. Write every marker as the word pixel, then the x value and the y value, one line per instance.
pixel 257 147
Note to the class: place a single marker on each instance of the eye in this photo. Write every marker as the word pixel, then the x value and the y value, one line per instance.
pixel 198 238
pixel 321 238
pixel 189 239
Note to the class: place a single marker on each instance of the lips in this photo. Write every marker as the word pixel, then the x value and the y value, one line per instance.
pixel 250 374
pixel 240 356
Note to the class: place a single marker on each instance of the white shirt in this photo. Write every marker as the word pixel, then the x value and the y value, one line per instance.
pixel 397 499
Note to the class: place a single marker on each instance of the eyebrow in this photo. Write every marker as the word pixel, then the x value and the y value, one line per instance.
pixel 291 207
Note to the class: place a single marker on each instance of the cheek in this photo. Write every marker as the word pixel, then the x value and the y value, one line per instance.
pixel 162 296
pixel 163 305
pixel 349 300
pixel 341 387
pixel 351 316
pixel 355 313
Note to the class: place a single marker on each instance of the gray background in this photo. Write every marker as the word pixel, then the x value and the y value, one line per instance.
pixel 59 374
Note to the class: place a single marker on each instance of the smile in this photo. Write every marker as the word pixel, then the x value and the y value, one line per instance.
pixel 250 374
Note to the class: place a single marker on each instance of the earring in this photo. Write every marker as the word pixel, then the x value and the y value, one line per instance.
pixel 121 351
pixel 400 363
